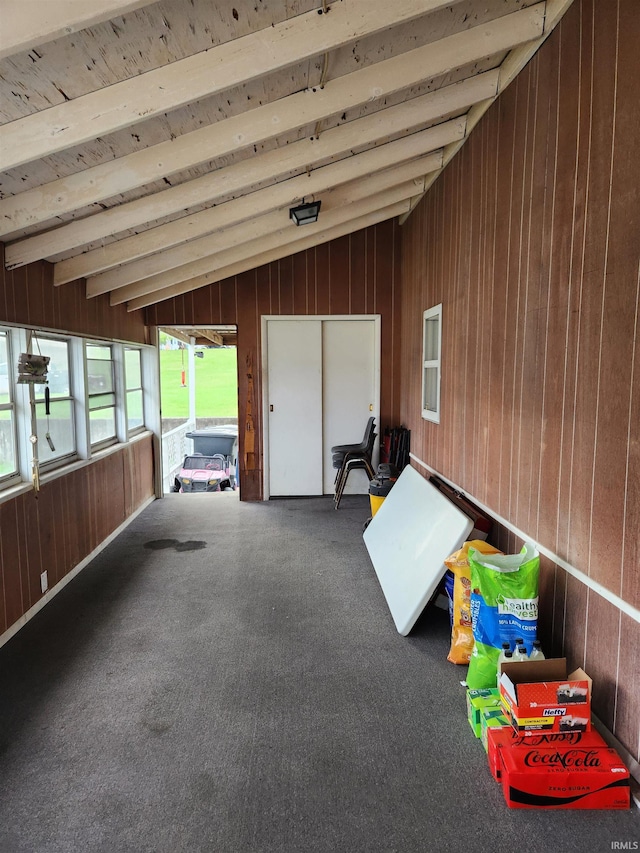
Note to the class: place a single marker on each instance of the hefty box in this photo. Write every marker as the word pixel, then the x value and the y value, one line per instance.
pixel 555 777
pixel 540 696
pixel 500 739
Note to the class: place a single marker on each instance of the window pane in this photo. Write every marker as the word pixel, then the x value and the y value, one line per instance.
pixel 60 428
pixel 58 371
pixel 8 461
pixel 8 457
pixel 60 423
pixel 135 417
pixel 102 425
pixel 4 370
pixel 99 400
pixel 431 389
pixel 133 374
pixel 99 375
pixel 102 421
pixel 431 338
pixel 100 352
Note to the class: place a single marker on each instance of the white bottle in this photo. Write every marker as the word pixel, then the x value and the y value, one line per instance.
pixel 520 653
pixel 536 651
pixel 505 656
pixel 506 647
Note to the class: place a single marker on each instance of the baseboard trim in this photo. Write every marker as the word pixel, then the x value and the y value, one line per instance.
pixel 612 740
pixel 51 593
pixel 602 591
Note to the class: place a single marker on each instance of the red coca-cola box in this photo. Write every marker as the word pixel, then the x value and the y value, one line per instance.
pixel 499 740
pixel 541 696
pixel 557 777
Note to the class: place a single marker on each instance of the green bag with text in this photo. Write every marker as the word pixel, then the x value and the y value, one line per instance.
pixel 504 607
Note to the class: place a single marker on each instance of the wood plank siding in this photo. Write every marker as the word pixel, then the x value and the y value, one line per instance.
pixel 28 298
pixel 531 240
pixel 356 274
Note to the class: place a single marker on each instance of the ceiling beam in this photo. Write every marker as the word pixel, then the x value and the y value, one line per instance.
pixel 195 251
pixel 377 127
pixel 159 262
pixel 286 233
pixel 268 257
pixel 210 335
pixel 180 335
pixel 199 76
pixel 271 120
pixel 246 207
pixel 283 237
pixel 29 23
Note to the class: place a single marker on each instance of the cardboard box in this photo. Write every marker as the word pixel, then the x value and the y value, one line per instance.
pixel 476 701
pixel 493 718
pixel 540 696
pixel 574 777
pixel 499 739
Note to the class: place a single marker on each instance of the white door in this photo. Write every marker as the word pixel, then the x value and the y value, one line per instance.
pixel 322 378
pixel 294 377
pixel 349 391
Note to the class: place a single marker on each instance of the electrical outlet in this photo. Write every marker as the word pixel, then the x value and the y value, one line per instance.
pixel 44 582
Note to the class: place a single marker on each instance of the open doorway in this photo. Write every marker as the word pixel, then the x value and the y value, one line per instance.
pixel 199 405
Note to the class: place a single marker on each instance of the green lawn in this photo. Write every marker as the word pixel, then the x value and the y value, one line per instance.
pixel 216 384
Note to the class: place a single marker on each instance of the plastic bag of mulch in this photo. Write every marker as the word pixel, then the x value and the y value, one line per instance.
pixel 504 607
pixel 461 629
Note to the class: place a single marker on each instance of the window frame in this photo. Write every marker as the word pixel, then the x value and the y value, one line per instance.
pixel 12 477
pixel 115 406
pixel 429 364
pixel 64 458
pixel 131 431
pixel 20 339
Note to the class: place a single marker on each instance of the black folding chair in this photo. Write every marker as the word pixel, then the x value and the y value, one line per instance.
pixel 346 457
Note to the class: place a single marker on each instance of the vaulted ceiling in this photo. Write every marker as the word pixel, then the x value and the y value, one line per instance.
pixel 156 147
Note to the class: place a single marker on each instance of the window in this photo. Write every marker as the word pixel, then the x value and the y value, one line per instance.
pixel 95 396
pixel 431 350
pixel 102 396
pixel 55 429
pixel 133 386
pixel 8 455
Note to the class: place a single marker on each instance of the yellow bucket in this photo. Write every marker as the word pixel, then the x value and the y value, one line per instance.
pixel 376 503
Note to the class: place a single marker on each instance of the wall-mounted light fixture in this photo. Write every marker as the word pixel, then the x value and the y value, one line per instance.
pixel 304 214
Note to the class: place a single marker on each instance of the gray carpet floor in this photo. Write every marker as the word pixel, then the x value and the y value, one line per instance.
pixel 226 677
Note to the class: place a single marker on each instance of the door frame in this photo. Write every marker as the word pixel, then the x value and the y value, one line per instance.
pixel 265 318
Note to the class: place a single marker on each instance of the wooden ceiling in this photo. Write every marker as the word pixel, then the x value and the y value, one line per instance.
pixel 156 147
pixel 208 336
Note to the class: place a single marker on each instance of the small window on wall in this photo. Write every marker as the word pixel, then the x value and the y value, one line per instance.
pixel 102 396
pixel 8 453
pixel 133 384
pixel 431 350
pixel 57 421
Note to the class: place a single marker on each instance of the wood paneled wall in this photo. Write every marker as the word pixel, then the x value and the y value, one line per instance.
pixel 531 240
pixel 73 513
pixel 28 298
pixel 357 274
pixel 55 529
